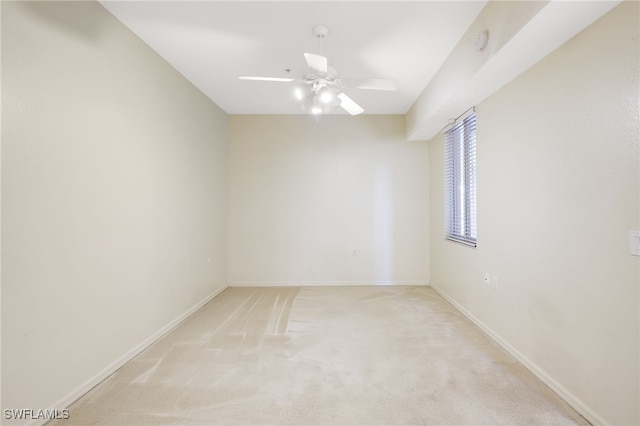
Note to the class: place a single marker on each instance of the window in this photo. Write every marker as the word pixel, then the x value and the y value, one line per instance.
pixel 460 181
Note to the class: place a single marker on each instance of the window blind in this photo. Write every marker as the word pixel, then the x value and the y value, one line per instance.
pixel 460 181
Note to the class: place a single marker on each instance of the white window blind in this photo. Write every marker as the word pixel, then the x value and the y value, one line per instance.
pixel 460 181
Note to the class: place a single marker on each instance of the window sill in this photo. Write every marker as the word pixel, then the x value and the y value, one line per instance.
pixel 472 244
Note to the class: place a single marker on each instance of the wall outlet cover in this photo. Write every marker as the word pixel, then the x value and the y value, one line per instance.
pixel 634 243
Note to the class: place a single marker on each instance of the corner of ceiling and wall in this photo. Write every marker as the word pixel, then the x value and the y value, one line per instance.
pixel 520 34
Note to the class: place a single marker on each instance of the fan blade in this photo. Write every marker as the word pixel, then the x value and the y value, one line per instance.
pixel 317 62
pixel 372 84
pixel 256 78
pixel 349 104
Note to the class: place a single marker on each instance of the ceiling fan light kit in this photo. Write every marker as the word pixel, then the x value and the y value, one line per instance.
pixel 320 91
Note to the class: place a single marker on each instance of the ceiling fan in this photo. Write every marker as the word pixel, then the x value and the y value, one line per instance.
pixel 320 90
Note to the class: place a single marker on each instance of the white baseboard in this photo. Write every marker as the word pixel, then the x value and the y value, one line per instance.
pixel 583 409
pixel 321 283
pixel 69 399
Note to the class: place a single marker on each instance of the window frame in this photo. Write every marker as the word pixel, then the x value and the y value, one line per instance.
pixel 461 180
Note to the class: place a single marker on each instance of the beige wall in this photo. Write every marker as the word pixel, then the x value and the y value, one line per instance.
pixel 303 194
pixel 113 198
pixel 558 191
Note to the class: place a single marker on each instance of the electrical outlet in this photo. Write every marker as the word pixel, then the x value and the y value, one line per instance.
pixel 634 243
pixel 487 278
pixel 494 283
pixel 209 260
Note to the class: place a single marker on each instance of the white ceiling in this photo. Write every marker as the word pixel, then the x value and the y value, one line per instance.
pixel 211 43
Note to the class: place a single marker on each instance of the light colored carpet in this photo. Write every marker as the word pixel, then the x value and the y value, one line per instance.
pixel 324 355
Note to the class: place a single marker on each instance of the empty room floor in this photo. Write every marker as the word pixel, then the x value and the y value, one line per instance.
pixel 324 355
